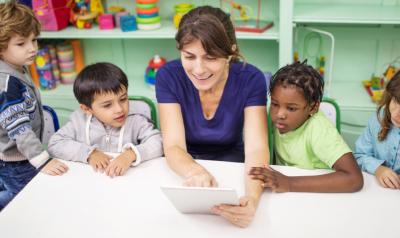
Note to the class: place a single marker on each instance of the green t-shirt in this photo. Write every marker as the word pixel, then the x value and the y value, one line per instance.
pixel 314 145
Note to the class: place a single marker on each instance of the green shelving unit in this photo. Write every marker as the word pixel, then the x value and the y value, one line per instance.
pixel 367 36
pixel 131 51
pixel 346 14
pixel 167 31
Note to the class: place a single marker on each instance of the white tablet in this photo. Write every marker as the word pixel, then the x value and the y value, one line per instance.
pixel 199 199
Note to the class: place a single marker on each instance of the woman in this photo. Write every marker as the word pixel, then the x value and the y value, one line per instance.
pixel 213 107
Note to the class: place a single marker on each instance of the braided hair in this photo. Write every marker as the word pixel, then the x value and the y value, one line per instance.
pixel 303 77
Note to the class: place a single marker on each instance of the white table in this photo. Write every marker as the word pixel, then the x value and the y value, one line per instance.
pixel 82 203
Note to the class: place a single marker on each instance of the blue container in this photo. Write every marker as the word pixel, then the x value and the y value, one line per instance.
pixel 128 23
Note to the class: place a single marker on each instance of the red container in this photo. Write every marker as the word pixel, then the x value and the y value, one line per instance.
pixel 38 4
pixel 53 15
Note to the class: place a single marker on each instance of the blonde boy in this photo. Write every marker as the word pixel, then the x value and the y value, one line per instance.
pixel 21 115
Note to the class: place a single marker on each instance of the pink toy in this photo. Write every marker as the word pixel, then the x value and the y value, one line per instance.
pixel 52 14
pixel 106 21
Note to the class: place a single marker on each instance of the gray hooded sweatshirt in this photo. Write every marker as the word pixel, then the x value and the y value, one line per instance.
pixel 83 133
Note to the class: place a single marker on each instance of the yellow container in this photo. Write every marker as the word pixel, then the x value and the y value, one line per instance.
pixel 180 10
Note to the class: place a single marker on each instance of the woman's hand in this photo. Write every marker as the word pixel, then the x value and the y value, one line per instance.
pixel 241 215
pixel 199 177
pixel 387 177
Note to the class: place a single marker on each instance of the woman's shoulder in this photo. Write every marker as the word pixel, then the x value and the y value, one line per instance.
pixel 248 75
pixel 172 65
pixel 244 68
pixel 172 70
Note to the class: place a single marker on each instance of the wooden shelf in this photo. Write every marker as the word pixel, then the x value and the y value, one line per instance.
pixel 346 14
pixel 167 31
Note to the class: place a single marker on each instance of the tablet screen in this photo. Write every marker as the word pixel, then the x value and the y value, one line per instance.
pixel 199 199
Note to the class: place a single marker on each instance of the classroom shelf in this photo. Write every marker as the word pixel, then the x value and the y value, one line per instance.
pixel 137 87
pixel 167 31
pixel 352 96
pixel 346 14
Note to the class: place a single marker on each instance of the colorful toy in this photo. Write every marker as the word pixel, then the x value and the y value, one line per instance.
pixel 96 6
pixel 376 85
pixel 154 64
pixel 81 16
pixel 128 23
pixel 147 15
pixel 65 54
pixel 106 21
pixel 34 74
pixel 374 88
pixel 54 62
pixel 390 72
pixel 321 66
pixel 118 16
pixel 52 14
pixel 78 55
pixel 313 40
pixel 244 21
pixel 180 10
pixel 116 9
pixel 44 69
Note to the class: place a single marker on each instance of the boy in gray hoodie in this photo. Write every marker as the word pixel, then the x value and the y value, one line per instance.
pixel 104 128
pixel 21 115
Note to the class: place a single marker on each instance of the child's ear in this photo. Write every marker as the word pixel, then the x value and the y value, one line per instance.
pixel 86 109
pixel 314 108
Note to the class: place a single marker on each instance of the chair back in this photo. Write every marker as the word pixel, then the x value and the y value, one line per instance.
pixel 271 140
pixel 51 124
pixel 143 105
pixel 331 110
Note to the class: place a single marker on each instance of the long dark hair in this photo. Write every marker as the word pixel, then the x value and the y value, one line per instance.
pixel 392 91
pixel 213 28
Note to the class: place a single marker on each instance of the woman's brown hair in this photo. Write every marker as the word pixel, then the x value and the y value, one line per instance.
pixel 213 28
pixel 392 91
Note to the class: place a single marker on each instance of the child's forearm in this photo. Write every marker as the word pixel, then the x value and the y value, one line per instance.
pixel 29 144
pixel 68 149
pixel 338 181
pixel 152 148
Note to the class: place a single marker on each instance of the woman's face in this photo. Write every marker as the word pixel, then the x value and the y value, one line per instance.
pixel 394 109
pixel 205 71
